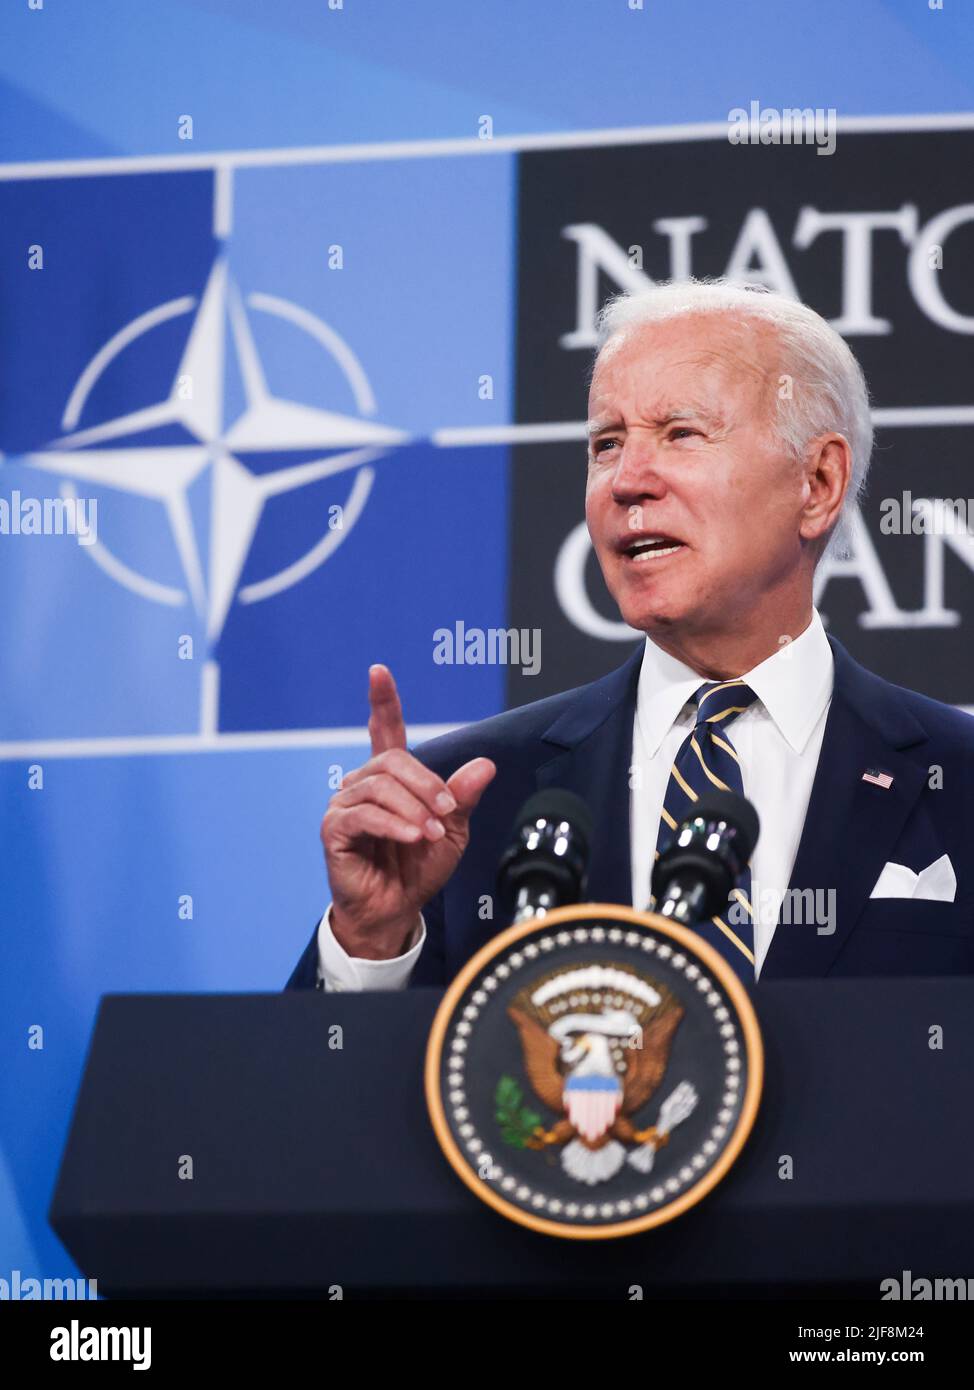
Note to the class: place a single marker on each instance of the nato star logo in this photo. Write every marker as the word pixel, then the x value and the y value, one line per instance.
pixel 114 453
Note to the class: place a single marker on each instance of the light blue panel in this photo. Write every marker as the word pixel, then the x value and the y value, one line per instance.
pixel 83 656
pixel 423 295
pixel 256 75
pixel 91 875
pixel 19 1251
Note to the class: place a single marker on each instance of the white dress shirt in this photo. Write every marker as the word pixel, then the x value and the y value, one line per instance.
pixel 337 970
pixel 777 739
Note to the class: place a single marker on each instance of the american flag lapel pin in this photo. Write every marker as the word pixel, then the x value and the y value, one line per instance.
pixel 878 779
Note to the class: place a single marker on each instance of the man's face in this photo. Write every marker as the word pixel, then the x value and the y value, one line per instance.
pixel 683 447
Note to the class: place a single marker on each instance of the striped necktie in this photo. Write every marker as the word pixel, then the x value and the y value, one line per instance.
pixel 707 760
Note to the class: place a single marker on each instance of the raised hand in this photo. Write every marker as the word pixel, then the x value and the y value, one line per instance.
pixel 394 833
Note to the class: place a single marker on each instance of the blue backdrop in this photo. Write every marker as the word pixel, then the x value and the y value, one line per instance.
pixel 233 354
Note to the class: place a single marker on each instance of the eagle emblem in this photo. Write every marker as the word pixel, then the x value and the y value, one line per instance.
pixel 596 1043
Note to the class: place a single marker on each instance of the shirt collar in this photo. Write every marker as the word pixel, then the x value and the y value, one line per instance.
pixel 794 685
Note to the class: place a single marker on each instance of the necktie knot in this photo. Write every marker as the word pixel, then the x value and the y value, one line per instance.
pixel 720 702
pixel 707 760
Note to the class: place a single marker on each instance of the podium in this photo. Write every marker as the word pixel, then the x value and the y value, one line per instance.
pixel 279 1146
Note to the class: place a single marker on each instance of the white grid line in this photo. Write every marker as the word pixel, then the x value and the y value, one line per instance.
pixel 433 149
pixel 28 750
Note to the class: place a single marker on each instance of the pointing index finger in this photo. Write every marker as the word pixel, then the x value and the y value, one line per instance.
pixel 386 726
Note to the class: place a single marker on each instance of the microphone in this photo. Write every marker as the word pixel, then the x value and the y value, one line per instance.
pixel 693 878
pixel 545 864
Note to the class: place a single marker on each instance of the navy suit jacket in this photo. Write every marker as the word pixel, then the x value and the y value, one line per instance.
pixel 582 740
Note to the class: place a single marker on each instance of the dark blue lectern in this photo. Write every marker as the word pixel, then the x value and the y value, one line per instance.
pixel 315 1165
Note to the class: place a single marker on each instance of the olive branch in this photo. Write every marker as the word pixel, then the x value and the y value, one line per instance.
pixel 516 1121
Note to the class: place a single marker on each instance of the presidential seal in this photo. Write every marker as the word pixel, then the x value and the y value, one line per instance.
pixel 594 1072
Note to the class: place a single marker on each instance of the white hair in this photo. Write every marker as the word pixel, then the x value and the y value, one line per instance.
pixel 829 390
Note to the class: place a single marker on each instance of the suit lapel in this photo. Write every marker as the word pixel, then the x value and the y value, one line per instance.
pixel 851 826
pixel 594 742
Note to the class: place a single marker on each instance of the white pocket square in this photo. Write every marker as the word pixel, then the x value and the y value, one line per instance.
pixel 936 883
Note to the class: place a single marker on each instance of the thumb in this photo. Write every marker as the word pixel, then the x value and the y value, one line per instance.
pixel 469 782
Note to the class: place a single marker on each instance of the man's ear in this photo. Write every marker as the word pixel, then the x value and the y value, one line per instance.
pixel 828 471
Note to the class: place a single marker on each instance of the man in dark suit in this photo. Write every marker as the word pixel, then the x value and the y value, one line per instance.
pixel 729 428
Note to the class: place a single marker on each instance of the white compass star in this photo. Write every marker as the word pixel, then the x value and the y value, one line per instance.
pixel 268 423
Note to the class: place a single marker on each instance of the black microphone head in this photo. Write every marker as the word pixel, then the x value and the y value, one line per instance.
pixel 557 804
pixel 734 810
pixel 711 847
pixel 549 848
